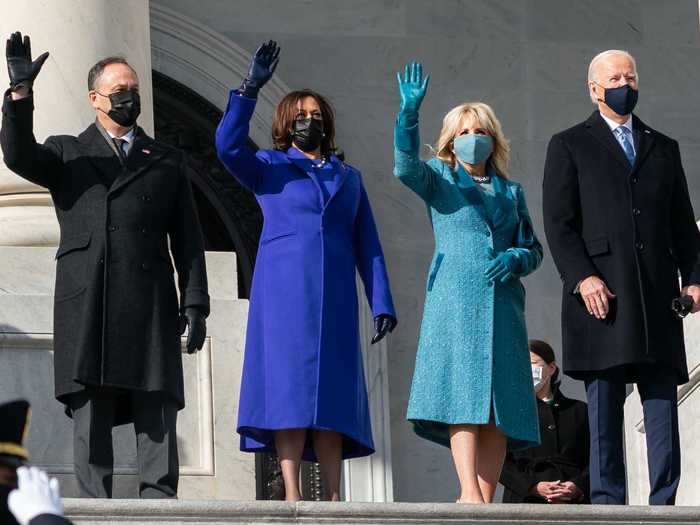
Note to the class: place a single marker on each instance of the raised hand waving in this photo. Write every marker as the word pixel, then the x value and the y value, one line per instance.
pixel 20 68
pixel 412 87
pixel 262 66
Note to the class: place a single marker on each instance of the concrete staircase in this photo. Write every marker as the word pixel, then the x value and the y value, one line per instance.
pixel 166 512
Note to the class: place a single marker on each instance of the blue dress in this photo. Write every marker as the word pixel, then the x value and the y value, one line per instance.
pixel 472 361
pixel 303 366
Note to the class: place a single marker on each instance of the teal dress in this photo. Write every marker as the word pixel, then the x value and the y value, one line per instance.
pixel 472 362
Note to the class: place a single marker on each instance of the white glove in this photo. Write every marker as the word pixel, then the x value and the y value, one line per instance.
pixel 35 495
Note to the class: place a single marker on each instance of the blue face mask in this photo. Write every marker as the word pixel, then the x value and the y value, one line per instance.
pixel 472 148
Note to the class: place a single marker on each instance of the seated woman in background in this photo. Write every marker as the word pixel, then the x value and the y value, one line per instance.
pixel 557 470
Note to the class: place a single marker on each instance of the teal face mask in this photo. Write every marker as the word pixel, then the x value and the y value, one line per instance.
pixel 472 148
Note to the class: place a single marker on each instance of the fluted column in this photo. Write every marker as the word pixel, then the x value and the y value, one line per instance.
pixel 77 33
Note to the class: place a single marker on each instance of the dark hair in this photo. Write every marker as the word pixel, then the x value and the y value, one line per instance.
pixel 545 351
pixel 97 70
pixel 286 112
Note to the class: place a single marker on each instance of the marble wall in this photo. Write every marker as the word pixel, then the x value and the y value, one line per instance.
pixel 527 58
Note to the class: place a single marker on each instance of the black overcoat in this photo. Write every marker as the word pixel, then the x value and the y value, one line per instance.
pixel 562 454
pixel 632 226
pixel 116 306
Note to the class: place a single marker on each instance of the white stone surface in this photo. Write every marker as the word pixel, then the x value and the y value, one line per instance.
pixel 76 33
pixel 102 512
pixel 370 479
pixel 689 424
pixel 211 467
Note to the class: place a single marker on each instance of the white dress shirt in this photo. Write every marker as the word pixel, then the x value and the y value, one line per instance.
pixel 128 137
pixel 614 125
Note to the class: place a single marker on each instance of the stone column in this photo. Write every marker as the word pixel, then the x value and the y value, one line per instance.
pixel 77 33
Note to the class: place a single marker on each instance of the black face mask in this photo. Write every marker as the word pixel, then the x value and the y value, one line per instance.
pixel 126 107
pixel 621 100
pixel 307 134
pixel 6 517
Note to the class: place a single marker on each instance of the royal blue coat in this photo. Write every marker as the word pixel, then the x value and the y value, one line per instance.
pixel 303 365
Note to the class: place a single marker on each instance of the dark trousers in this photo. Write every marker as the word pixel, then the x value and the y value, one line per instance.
pixel 155 417
pixel 606 398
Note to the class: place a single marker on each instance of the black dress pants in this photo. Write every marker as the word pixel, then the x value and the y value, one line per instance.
pixel 155 418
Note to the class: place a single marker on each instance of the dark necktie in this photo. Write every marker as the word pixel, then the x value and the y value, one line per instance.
pixel 119 143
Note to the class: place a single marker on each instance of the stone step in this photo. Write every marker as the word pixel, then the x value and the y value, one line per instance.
pixel 168 512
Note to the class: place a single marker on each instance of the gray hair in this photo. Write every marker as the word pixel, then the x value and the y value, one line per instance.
pixel 602 56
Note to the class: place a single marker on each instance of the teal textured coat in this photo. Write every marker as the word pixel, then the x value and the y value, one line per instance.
pixel 473 351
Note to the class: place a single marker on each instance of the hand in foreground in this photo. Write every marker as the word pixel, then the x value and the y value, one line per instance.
pixel 564 492
pixel 504 267
pixel 596 296
pixel 383 324
pixel 412 87
pixel 693 291
pixel 262 66
pixel 36 495
pixel 20 68
pixel 196 325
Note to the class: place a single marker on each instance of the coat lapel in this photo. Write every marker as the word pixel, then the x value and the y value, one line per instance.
pixel 341 175
pixel 101 155
pixel 645 143
pixel 339 169
pixel 471 194
pixel 601 131
pixel 143 152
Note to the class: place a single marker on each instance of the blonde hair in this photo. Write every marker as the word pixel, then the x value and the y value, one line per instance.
pixel 486 118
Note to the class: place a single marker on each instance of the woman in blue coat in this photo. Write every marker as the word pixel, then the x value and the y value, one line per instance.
pixel 303 391
pixel 472 386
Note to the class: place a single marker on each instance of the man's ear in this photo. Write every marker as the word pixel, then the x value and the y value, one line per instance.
pixel 92 97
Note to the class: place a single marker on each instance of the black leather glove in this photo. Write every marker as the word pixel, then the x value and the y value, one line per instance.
pixel 21 70
pixel 383 324
pixel 262 66
pixel 196 323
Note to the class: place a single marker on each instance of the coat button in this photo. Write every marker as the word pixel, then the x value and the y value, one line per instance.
pixel 635 180
pixel 636 211
pixel 144 230
pixel 145 266
pixel 146 198
pixel 639 245
pixel 102 261
pixel 112 228
pixel 551 427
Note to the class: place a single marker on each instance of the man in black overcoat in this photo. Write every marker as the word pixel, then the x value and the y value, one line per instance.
pixel 621 230
pixel 124 204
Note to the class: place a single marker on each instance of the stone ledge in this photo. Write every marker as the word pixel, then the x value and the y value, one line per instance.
pixel 161 512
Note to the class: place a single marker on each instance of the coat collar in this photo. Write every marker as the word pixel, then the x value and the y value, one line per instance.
pixel 473 194
pixel 143 152
pixel 303 163
pixel 602 132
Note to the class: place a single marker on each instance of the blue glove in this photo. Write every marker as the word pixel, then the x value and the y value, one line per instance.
pixel 412 87
pixel 262 66
pixel 504 267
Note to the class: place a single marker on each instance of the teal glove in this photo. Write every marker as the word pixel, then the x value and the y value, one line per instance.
pixel 412 87
pixel 504 267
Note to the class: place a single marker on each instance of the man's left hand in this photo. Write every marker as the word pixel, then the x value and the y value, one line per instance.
pixel 196 325
pixel 693 291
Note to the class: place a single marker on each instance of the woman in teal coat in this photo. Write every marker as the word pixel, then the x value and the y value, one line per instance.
pixel 472 386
